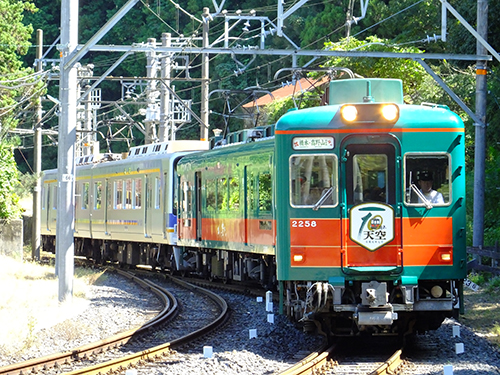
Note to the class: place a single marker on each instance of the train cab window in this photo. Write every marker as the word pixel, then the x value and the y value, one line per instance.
pixel 427 179
pixel 370 173
pixel 313 180
pixel 97 195
pixel 370 178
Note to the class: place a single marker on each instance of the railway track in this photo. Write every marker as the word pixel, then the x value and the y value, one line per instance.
pixel 87 351
pixel 322 362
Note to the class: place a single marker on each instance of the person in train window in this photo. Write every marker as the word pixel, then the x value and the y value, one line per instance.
pixel 425 181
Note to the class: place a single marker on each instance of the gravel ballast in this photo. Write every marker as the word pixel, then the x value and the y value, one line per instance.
pixel 119 304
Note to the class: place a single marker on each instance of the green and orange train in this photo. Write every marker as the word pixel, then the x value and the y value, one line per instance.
pixel 354 211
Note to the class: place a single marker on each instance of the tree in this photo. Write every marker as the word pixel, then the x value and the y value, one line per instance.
pixel 18 89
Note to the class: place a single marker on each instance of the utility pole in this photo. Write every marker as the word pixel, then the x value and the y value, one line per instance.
pixel 37 154
pixel 204 77
pixel 65 249
pixel 480 128
pixel 152 109
pixel 166 129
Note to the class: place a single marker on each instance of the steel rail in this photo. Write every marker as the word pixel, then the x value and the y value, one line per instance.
pixel 312 363
pixel 157 352
pixel 168 312
pixel 391 366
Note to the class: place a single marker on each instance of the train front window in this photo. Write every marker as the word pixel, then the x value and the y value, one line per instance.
pixel 369 177
pixel 313 180
pixel 427 179
pixel 370 173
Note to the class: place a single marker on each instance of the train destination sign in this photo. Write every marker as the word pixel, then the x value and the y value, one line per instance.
pixel 313 143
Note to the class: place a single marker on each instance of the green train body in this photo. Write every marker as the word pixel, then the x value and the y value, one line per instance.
pixel 330 209
pixel 331 206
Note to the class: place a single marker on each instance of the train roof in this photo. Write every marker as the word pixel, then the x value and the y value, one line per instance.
pixel 410 116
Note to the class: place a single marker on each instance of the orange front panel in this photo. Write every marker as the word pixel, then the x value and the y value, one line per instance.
pixel 385 256
pixel 428 241
pixel 315 256
pixel 428 230
pixel 315 242
pixel 314 232
pixel 423 255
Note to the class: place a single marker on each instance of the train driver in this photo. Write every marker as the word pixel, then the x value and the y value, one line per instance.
pixel 425 180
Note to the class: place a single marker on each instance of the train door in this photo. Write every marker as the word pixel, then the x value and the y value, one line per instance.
pixel 107 205
pixel 198 218
pixel 149 206
pixel 371 219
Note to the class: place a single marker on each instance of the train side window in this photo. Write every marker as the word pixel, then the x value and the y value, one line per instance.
pixel 265 192
pixel 157 192
pixel 251 190
pixel 137 193
pixel 222 194
pixel 85 196
pixel 211 197
pixel 311 177
pixel 44 196
pixel 97 195
pixel 128 194
pixel 118 188
pixel 234 194
pixel 427 179
pixel 54 197
pixel 187 198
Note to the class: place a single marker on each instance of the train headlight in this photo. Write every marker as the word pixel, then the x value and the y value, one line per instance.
pixel 436 291
pixel 390 112
pixel 349 113
pixel 298 258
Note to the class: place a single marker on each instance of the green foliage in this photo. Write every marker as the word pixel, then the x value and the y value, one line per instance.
pixel 409 71
pixel 278 108
pixel 478 278
pixel 18 91
pixel 9 200
pixel 493 285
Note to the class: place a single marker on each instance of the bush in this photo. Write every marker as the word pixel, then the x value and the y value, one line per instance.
pixel 9 179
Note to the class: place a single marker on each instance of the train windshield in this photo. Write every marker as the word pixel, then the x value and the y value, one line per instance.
pixel 311 178
pixel 427 179
pixel 370 174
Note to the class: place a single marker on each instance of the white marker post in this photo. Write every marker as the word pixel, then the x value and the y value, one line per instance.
pixel 269 301
pixel 207 352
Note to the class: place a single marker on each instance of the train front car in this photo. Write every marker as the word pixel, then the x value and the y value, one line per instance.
pixel 370 212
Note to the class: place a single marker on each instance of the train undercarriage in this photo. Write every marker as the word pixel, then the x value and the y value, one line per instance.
pixel 343 309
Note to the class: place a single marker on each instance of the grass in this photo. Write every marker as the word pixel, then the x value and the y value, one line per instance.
pixel 482 308
pixel 29 295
